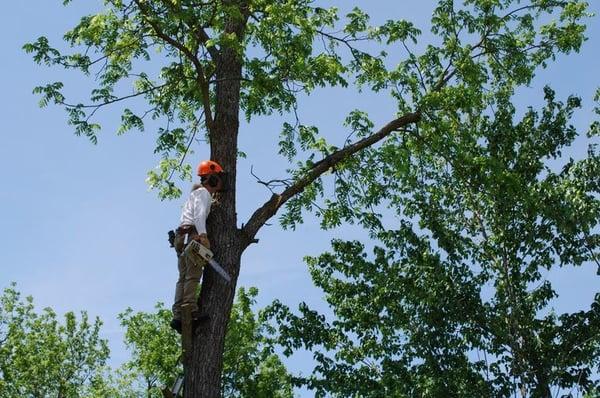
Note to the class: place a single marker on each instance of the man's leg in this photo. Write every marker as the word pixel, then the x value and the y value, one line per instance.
pixel 179 288
pixel 176 309
pixel 193 272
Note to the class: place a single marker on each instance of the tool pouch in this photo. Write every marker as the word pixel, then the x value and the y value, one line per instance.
pixel 171 234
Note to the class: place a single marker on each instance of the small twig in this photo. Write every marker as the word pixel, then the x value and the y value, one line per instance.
pixel 271 183
pixel 416 64
pixel 194 130
pixel 112 101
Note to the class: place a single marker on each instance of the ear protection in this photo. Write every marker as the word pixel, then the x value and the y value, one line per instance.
pixel 212 181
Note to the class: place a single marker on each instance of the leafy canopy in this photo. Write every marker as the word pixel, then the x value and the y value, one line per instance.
pixel 167 53
pixel 454 299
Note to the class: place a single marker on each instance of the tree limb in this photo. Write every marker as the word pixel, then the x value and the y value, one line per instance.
pixel 270 207
pixel 204 38
pixel 200 77
pixel 198 31
pixel 111 101
pixel 271 183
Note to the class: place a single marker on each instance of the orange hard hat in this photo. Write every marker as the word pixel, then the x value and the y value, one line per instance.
pixel 207 167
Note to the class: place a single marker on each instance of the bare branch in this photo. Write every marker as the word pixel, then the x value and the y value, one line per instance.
pixel 271 183
pixel 193 131
pixel 353 50
pixel 112 101
pixel 534 6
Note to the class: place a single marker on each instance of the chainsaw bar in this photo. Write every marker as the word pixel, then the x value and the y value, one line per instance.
pixel 206 254
pixel 220 270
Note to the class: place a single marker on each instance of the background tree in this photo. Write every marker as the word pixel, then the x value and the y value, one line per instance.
pixel 454 299
pixel 42 357
pixel 251 368
pixel 155 349
pixel 221 57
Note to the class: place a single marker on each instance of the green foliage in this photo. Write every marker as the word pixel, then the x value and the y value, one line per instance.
pixel 487 49
pixel 42 357
pixel 251 369
pixel 155 349
pixel 453 300
pixel 288 48
pixel 468 214
pixel 277 51
pixel 109 44
pixel 281 34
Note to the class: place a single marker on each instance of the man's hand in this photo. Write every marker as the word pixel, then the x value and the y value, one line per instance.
pixel 203 240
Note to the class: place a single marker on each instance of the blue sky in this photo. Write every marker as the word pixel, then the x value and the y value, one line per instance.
pixel 81 230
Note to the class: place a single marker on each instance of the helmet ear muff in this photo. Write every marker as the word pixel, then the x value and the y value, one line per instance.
pixel 210 180
pixel 213 181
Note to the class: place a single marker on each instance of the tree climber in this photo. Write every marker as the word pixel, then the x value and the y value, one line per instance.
pixel 193 227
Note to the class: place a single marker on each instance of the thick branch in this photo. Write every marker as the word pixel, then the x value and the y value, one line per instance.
pixel 204 38
pixel 200 78
pixel 269 208
pixel 199 31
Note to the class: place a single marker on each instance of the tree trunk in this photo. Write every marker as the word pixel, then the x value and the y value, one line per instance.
pixel 204 374
pixel 216 299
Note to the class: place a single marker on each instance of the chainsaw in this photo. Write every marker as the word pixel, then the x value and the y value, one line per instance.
pixel 198 249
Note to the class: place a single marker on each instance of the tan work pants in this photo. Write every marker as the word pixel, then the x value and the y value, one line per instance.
pixel 190 271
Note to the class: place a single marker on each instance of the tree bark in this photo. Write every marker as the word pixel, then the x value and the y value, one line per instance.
pixel 216 297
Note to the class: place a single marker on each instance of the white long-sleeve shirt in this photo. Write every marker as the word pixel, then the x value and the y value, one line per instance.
pixel 196 209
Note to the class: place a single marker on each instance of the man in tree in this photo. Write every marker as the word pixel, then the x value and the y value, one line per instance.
pixel 193 227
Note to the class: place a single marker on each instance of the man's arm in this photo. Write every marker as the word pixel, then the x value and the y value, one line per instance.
pixel 202 204
pixel 203 239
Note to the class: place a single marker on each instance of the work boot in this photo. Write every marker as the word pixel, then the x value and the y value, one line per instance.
pixel 176 325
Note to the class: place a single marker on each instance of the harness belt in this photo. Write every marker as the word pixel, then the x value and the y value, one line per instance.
pixel 183 230
pixel 186 230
